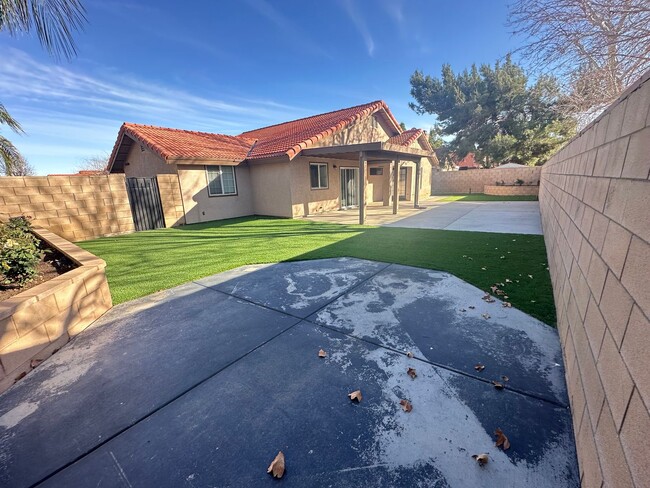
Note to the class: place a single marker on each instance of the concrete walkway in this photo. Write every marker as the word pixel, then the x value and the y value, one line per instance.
pixel 203 384
pixel 516 217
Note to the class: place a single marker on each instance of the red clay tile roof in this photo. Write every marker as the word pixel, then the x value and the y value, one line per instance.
pixel 292 137
pixel 406 137
pixel 185 144
pixel 468 161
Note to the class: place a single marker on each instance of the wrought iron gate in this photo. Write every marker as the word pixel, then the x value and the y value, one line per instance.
pixel 144 197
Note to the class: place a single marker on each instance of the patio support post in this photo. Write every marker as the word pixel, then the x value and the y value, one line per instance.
pixel 362 187
pixel 416 194
pixel 395 186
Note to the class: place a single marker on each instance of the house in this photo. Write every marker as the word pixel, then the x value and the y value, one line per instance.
pixel 468 162
pixel 292 169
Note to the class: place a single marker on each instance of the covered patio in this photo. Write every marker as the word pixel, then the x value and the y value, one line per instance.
pixel 376 153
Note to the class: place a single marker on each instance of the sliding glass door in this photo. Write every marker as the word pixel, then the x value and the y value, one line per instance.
pixel 349 187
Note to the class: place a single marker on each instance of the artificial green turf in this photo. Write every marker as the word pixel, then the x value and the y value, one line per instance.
pixel 481 197
pixel 145 262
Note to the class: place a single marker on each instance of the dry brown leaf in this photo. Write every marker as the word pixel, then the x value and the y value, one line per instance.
pixel 35 362
pixel 20 376
pixel 508 280
pixel 409 354
pixel 356 395
pixel 406 405
pixel 462 310
pixel 505 378
pixel 494 288
pixel 481 459
pixel 411 372
pixel 276 468
pixel 322 354
pixel 498 385
pixel 472 307
pixel 501 292
pixel 479 367
pixel 502 440
pixel 488 298
pixel 506 305
pixel 485 315
pixel 505 297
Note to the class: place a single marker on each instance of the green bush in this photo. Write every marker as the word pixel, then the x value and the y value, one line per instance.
pixel 19 252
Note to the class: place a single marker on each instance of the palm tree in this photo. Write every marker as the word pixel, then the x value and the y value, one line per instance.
pixel 53 21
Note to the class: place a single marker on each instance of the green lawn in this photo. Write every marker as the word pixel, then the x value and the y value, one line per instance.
pixel 145 262
pixel 481 197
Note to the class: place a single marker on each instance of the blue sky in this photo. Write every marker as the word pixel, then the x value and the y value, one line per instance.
pixel 231 66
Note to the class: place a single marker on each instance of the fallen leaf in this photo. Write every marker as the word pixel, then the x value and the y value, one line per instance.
pixel 409 354
pixel 502 257
pixel 507 304
pixel 411 372
pixel 502 440
pixel 498 385
pixel 494 288
pixel 485 315
pixel 356 395
pixel 322 354
pixel 464 255
pixel 484 269
pixel 35 362
pixel 406 405
pixel 472 307
pixel 488 298
pixel 530 276
pixel 479 367
pixel 505 378
pixel 20 376
pixel 481 459
pixel 508 280
pixel 462 310
pixel 501 292
pixel 276 468
pixel 471 259
pixel 505 297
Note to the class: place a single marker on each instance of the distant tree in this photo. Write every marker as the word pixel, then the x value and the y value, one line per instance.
pixel 598 47
pixel 494 113
pixel 98 162
pixel 53 21
pixel 402 125
pixel 22 168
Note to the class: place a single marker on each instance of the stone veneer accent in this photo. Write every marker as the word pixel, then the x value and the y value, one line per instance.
pixel 474 180
pixel 74 207
pixel 510 190
pixel 595 205
pixel 36 322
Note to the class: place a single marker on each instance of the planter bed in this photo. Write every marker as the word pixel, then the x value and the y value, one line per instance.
pixel 511 189
pixel 37 321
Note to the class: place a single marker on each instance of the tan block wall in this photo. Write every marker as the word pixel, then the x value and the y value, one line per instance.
pixel 74 207
pixel 510 190
pixel 38 321
pixel 474 180
pixel 595 205
pixel 171 200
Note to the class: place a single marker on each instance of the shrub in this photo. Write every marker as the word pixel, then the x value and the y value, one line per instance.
pixel 19 252
pixel 519 181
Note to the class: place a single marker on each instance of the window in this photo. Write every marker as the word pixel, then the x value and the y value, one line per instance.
pixel 221 180
pixel 376 171
pixel 318 176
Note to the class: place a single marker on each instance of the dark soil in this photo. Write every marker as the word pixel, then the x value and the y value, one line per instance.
pixel 52 265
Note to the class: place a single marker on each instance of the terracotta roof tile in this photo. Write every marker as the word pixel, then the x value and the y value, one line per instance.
pixel 406 137
pixel 291 137
pixel 185 144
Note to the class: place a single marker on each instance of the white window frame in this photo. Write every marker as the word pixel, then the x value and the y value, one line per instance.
pixel 327 172
pixel 207 178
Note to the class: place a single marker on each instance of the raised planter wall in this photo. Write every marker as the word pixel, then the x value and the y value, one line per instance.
pixel 36 322
pixel 475 180
pixel 510 190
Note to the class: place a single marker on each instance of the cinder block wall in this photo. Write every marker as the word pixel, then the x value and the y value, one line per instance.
pixel 74 207
pixel 473 180
pixel 595 205
pixel 171 200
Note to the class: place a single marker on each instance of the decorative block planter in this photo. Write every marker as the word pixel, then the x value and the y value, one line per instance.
pixel 511 190
pixel 38 321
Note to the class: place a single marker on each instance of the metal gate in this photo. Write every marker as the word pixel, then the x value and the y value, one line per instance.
pixel 146 207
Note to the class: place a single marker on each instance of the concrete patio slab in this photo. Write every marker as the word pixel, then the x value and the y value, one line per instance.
pixel 195 387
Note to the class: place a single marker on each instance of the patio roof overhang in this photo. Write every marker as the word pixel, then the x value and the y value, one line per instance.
pixel 375 151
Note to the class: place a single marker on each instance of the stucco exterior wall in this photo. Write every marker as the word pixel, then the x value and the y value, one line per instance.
pixel 201 207
pixel 146 164
pixel 304 200
pixel 595 205
pixel 271 188
pixel 473 180
pixel 369 129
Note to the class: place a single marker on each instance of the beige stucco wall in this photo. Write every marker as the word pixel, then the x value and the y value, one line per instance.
pixel 271 188
pixel 369 129
pixel 474 180
pixel 201 207
pixel 145 164
pixel 595 205
pixel 304 200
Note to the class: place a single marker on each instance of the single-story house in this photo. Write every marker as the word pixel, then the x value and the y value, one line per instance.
pixel 290 170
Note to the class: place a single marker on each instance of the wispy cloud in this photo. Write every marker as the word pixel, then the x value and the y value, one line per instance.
pixel 359 22
pixel 410 27
pixel 289 28
pixel 67 112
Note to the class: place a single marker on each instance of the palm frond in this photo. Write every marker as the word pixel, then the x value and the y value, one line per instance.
pixel 7 119
pixel 10 157
pixel 53 21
